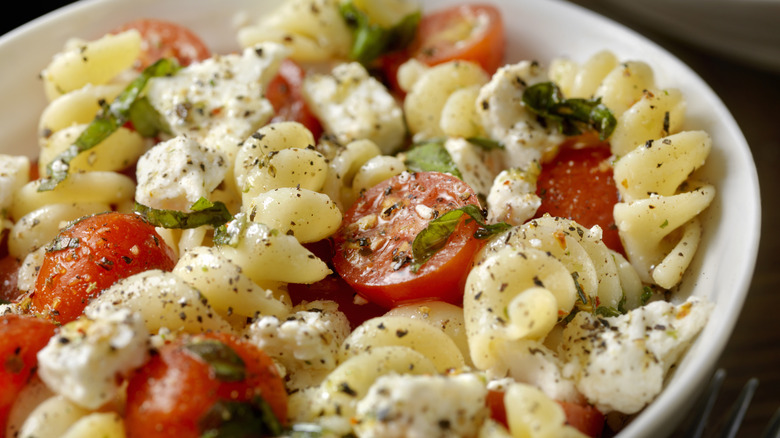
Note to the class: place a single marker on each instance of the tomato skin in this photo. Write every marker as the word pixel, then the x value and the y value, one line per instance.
pixel 578 185
pixel 585 418
pixel 374 259
pixel 9 274
pixel 169 395
pixel 285 94
pixel 434 45
pixel 21 337
pixel 103 248
pixel 165 39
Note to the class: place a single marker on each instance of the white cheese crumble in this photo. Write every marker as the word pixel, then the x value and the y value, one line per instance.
pixel 620 363
pixel 83 360
pixel 506 119
pixel 352 105
pixel 219 101
pixel 306 343
pixel 175 173
pixel 420 406
pixel 513 197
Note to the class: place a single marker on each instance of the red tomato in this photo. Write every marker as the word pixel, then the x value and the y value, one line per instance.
pixel 584 418
pixel 578 185
pixel 470 32
pixel 9 271
pixel 172 395
pixel 21 337
pixel 90 256
pixel 373 245
pixel 284 93
pixel 164 39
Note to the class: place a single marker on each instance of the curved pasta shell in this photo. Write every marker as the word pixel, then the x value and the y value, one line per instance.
pixel 422 337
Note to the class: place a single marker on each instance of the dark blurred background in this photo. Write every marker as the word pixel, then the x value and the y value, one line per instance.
pixel 752 94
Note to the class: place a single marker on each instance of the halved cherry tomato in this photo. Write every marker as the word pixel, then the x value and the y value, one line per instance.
pixel 21 337
pixel 9 272
pixel 585 418
pixel 373 245
pixel 578 185
pixel 284 93
pixel 91 255
pixel 180 391
pixel 165 39
pixel 470 32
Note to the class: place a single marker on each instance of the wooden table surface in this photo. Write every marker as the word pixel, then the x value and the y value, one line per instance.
pixel 753 97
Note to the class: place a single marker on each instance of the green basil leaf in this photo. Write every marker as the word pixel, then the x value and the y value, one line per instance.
pixel 233 419
pixel 146 120
pixel 485 143
pixel 606 311
pixel 106 122
pixel 572 116
pixel 647 294
pixel 433 238
pixel 370 40
pixel 223 360
pixel 431 156
pixel 204 212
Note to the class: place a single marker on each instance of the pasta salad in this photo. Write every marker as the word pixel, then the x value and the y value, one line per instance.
pixel 364 222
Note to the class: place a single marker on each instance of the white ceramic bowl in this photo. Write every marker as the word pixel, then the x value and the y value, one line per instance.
pixel 539 30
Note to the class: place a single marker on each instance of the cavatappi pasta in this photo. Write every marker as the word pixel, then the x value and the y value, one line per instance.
pixel 529 325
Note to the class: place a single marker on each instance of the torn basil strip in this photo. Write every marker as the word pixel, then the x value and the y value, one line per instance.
pixel 204 212
pixel 433 238
pixel 226 364
pixel 146 120
pixel 572 116
pixel 485 143
pixel 431 156
pixel 234 419
pixel 371 40
pixel 110 118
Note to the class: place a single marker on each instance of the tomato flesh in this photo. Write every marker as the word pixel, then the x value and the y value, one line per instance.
pixel 165 39
pixel 373 245
pixel 469 32
pixel 21 337
pixel 286 96
pixel 9 274
pixel 585 418
pixel 578 185
pixel 90 256
pixel 171 394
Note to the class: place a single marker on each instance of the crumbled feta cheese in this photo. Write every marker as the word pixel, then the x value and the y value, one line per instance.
pixel 83 360
pixel 352 105
pixel 412 406
pixel 620 363
pixel 174 174
pixel 306 343
pixel 513 197
pixel 14 173
pixel 219 101
pixel 505 119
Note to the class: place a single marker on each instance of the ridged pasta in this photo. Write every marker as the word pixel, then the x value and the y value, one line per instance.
pixel 312 29
pixel 52 418
pixel 441 97
pixel 422 337
pixel 657 219
pixel 307 215
pixel 163 300
pixel 93 62
pixel 229 292
pixel 531 413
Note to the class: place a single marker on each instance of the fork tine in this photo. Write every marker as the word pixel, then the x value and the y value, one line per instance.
pixel 703 408
pixel 737 411
pixel 773 428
